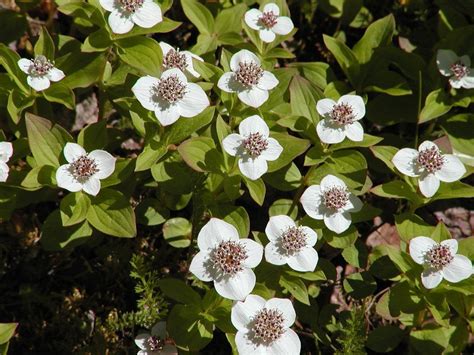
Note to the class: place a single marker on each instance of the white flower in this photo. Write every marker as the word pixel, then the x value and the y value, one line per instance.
pixel 268 23
pixel 127 13
pixel 154 343
pixel 332 202
pixel 6 152
pixel 457 68
pixel 253 147
pixel 290 244
pixel 247 79
pixel 170 96
pixel 263 327
pixel 85 170
pixel 439 261
pixel 340 120
pixel 40 72
pixel 429 166
pixel 226 259
pixel 183 60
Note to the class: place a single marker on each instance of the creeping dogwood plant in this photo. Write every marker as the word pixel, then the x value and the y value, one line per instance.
pixel 268 22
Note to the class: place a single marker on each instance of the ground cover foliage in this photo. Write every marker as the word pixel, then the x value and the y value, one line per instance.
pixel 236 175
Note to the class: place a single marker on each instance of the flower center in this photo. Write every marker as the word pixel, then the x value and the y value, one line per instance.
pixel 294 239
pixel 459 70
pixel 131 5
pixel 268 19
pixel 41 66
pixel 228 257
pixel 335 197
pixel 174 59
pixel 268 325
pixel 154 343
pixel 170 89
pixel 342 114
pixel 439 256
pixel 249 74
pixel 431 159
pixel 255 144
pixel 83 168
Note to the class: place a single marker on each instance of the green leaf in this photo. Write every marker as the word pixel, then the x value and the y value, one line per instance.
pixel 368 141
pixel 256 189
pixel 385 153
pixel 45 45
pixel 177 232
pixel 62 94
pixel 356 254
pixel 151 212
pixel 17 102
pixel 440 233
pixel 7 330
pixel 436 105
pixel 283 206
pixel 295 287
pixel 199 15
pixel 98 41
pixel 45 139
pixel 360 285
pixel 177 290
pixel 55 237
pixel 384 339
pixel 455 189
pixel 396 189
pixel 456 127
pixel 342 240
pixel 74 208
pixel 303 98
pixel 112 214
pixel 142 53
pixel 208 71
pixel 235 215
pixel 200 153
pixel 410 226
pixel 292 148
pixel 81 69
pixel 93 136
pixel 318 73
pixel 344 56
pixel 16 24
pixel 230 20
pixel 285 179
pixel 39 176
pixel 9 60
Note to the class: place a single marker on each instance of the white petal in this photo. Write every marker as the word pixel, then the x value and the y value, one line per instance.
pixel 55 74
pixel 105 162
pixel 253 168
pixel 273 150
pixel 311 236
pixel 418 248
pixel 277 225
pixel 148 15
pixel 215 231
pixel 431 278
pixel 65 180
pixel 141 340
pixel 194 101
pixel 266 35
pixel 243 312
pixel 459 268
pixel 253 124
pixel 268 81
pixel 427 145
pixel 189 61
pixel 354 131
pixel 444 59
pixel 175 72
pixel 232 144
pixel 312 202
pixel 272 7
pixel 330 181
pixel 6 151
pixel 452 170
pixel 236 287
pixel 201 266
pixel 252 18
pixel 324 107
pixel 228 83
pixel 4 170
pixel 337 222
pixel 119 23
pixel 167 114
pixel 245 346
pixel 254 252
pixel 25 65
pixel 159 330
pixel 305 260
pixel 452 244
pixel 285 306
pixel 108 5
pixel 428 184
pixel 283 26
pixel 405 161
pixel 274 254
pixel 38 83
pixel 73 151
pixel 288 344
pixel 91 186
pixel 357 104
pixel 254 97
pixel 329 132
pixel 468 81
pixel 354 204
pixel 165 48
pixel 243 56
pixel 455 83
pixel 143 89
